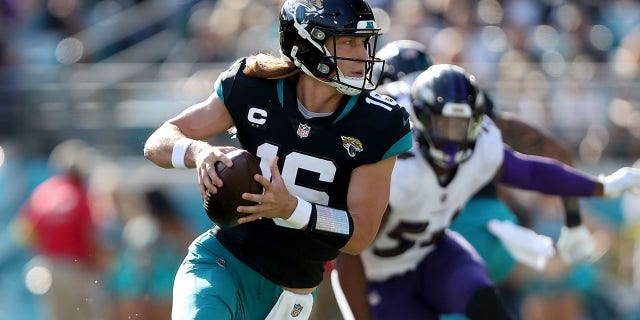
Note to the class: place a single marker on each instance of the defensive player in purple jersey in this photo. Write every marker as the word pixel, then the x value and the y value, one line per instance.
pixel 485 213
pixel 416 267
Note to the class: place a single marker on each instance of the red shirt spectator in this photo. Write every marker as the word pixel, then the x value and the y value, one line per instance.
pixel 59 218
pixel 56 221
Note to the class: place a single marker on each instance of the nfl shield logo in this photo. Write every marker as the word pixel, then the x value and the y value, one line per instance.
pixel 303 130
pixel 297 308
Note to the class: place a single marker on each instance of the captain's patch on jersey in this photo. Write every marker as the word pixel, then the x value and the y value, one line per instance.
pixel 257 117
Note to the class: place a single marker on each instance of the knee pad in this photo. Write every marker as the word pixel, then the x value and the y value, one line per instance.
pixel 291 306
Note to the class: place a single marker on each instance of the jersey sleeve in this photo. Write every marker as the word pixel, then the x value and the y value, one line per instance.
pixel 402 137
pixel 489 144
pixel 394 130
pixel 227 83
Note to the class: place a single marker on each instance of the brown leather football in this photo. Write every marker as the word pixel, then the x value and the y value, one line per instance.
pixel 238 179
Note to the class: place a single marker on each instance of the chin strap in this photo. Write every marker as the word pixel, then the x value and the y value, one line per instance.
pixel 346 89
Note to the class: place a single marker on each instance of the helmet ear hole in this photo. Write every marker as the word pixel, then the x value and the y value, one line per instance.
pixel 318 35
pixel 324 69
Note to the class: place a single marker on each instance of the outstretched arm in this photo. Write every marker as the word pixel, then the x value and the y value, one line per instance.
pixel 575 242
pixel 546 175
pixel 549 176
pixel 528 139
pixel 552 177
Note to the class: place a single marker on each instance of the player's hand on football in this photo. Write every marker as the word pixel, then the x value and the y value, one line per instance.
pixel 274 202
pixel 206 159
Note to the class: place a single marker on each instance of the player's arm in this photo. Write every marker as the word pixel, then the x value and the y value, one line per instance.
pixel 351 230
pixel 368 197
pixel 545 175
pixel 178 141
pixel 354 285
pixel 200 121
pixel 528 139
pixel 550 176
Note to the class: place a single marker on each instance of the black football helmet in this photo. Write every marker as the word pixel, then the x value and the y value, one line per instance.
pixel 448 109
pixel 404 60
pixel 305 27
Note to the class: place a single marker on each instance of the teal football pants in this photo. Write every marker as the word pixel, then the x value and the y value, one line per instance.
pixel 212 284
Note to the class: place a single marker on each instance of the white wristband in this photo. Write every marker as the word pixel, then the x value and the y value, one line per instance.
pixel 179 151
pixel 299 218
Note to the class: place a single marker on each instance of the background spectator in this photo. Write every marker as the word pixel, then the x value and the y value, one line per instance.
pixel 57 221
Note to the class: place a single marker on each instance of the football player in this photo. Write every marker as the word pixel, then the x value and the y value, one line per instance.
pixel 417 268
pixel 404 60
pixel 327 145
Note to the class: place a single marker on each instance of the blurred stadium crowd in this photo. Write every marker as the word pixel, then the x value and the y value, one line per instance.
pixel 107 72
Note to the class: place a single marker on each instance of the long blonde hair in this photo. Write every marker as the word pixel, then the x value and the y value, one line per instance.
pixel 267 66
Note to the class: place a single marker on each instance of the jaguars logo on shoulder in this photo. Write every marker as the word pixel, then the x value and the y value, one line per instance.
pixel 352 145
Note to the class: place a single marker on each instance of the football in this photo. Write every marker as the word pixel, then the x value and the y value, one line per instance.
pixel 238 179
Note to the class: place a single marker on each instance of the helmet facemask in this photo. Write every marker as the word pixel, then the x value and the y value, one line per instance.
pixel 449 139
pixel 448 111
pixel 352 85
